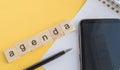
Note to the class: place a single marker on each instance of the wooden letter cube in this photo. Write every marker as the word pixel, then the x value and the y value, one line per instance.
pixel 34 42
pixel 11 54
pixel 67 26
pixel 23 47
pixel 45 37
pixel 56 32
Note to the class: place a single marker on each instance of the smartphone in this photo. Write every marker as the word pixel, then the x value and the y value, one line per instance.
pixel 99 42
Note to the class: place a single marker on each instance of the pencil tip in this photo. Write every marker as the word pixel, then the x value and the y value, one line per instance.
pixel 68 50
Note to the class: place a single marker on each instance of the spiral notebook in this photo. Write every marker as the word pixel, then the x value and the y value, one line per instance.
pixel 112 4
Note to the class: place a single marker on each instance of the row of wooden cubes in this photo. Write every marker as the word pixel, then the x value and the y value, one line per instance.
pixel 38 40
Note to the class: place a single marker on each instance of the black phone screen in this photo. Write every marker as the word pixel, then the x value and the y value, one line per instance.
pixel 100 44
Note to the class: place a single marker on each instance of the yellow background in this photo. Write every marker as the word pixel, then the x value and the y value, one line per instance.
pixel 22 19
